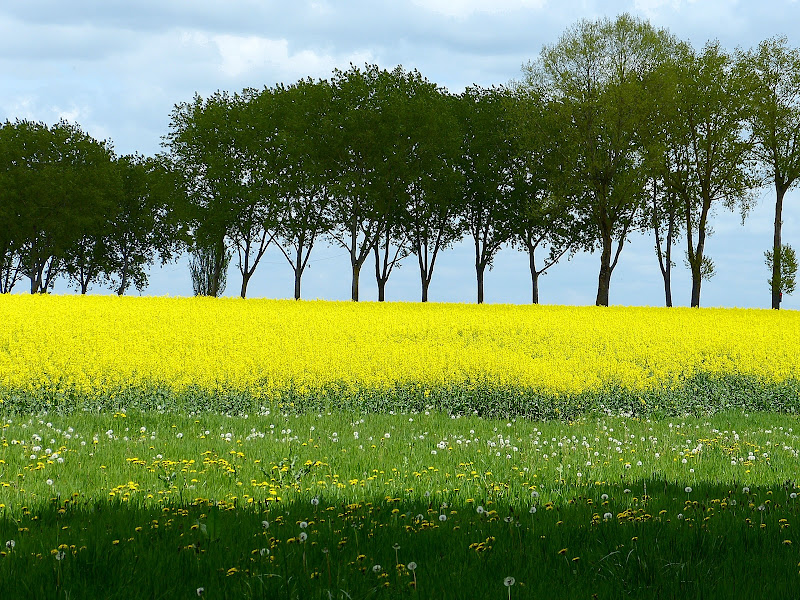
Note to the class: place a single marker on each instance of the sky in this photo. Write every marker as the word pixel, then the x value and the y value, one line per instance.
pixel 119 68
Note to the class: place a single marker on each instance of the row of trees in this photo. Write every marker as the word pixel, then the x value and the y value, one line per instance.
pixel 383 164
pixel 70 207
pixel 618 127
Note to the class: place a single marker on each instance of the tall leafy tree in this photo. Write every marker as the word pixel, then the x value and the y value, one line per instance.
pixel 710 157
pixel 359 140
pixel 197 134
pixel 773 72
pixel 306 163
pixel 545 219
pixel 431 213
pixel 225 147
pixel 596 76
pixel 147 221
pixel 487 165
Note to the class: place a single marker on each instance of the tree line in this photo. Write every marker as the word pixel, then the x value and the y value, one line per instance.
pixel 617 127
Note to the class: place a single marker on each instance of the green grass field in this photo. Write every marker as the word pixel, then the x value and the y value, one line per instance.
pixel 417 505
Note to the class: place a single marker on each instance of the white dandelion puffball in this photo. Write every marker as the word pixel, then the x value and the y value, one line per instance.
pixel 509 581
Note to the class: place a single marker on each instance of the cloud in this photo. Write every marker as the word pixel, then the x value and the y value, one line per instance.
pixel 467 8
pixel 243 54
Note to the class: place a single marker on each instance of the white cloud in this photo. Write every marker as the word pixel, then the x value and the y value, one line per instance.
pixel 244 54
pixel 466 8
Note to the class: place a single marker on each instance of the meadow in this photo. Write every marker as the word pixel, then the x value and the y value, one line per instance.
pixel 175 448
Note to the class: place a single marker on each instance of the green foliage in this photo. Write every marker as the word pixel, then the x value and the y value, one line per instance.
pixel 699 394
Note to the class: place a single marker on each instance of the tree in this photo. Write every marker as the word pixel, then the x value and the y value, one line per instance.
pixel 433 198
pixel 487 167
pixel 148 220
pixel 304 139
pixel 773 73
pixel 711 159
pixel 359 139
pixel 788 274
pixel 545 218
pixel 596 78
pixel 225 147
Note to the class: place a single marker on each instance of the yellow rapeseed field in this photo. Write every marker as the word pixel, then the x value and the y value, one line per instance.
pixel 93 343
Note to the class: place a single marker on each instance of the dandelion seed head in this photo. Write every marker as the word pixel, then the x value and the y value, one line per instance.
pixel 509 581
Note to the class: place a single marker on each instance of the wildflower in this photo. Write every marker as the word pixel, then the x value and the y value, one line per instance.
pixel 377 569
pixel 604 497
pixel 60 555
pixel 745 490
pixel 626 491
pixel 793 495
pixel 680 517
pixel 562 552
pixel 509 581
pixel 534 494
pixel 10 544
pixel 49 482
pixel 265 524
pixel 480 510
pixel 303 536
pixel 315 501
pixel 411 566
pixel 687 489
pixel 532 510
pixel 303 524
pixel 200 591
pixel 607 516
pixel 443 518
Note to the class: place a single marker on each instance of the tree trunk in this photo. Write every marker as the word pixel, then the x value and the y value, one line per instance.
pixel 425 284
pixel 381 290
pixel 776 248
pixel 534 277
pixel 479 269
pixel 696 281
pixel 298 271
pixel 381 281
pixel 245 280
pixel 668 285
pixel 604 278
pixel 354 289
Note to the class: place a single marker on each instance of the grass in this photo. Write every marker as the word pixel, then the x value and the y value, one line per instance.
pixel 160 505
